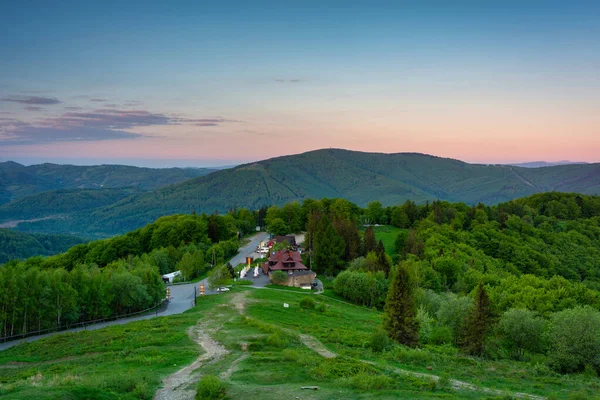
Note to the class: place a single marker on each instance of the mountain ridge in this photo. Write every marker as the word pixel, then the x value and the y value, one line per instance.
pixel 357 176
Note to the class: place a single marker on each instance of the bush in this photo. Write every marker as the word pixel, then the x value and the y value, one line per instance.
pixel 307 303
pixel 210 388
pixel 574 338
pixel 321 308
pixel 277 339
pixel 364 381
pixel 279 277
pixel 522 331
pixel 379 341
pixel 340 367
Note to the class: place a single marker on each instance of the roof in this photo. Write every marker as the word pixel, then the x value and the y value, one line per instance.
pixel 284 260
pixel 285 255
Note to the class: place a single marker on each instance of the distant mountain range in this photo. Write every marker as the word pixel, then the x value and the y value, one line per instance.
pixel 18 180
pixel 540 164
pixel 357 176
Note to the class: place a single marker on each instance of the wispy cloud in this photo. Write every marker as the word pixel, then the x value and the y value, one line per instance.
pixel 73 108
pixel 35 135
pixel 32 100
pixel 107 119
pixel 288 80
pixel 101 124
pixel 98 100
pixel 33 108
pixel 206 121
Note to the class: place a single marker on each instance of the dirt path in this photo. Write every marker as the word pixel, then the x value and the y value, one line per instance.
pixel 461 385
pixel 176 386
pixel 233 367
pixel 316 346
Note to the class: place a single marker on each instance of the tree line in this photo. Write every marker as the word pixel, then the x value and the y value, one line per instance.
pixel 112 277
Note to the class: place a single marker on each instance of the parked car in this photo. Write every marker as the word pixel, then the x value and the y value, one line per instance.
pixel 222 289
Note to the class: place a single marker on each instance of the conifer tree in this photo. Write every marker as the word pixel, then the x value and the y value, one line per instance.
pixel 477 323
pixel 329 248
pixel 400 309
pixel 370 243
pixel 382 260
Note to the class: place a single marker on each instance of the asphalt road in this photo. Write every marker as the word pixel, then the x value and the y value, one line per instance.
pixel 182 297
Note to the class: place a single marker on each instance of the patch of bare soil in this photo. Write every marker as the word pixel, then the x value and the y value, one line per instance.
pixel 177 385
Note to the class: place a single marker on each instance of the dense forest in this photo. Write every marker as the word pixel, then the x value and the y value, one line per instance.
pixel 114 276
pixel 514 280
pixel 18 245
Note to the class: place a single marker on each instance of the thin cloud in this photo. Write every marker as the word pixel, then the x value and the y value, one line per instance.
pixel 34 100
pixel 288 80
pixel 98 100
pixel 73 108
pixel 33 108
pixel 107 119
pixel 35 135
pixel 96 125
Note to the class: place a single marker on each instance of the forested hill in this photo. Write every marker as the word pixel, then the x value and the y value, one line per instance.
pixel 17 180
pixel 356 176
pixel 17 245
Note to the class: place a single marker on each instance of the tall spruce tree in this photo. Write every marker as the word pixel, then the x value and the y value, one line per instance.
pixel 370 243
pixel 477 324
pixel 329 248
pixel 400 309
pixel 382 260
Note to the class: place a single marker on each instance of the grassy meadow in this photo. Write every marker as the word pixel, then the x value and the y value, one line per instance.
pixel 271 352
pixel 387 234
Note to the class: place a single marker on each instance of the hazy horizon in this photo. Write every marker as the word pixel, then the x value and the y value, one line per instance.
pixel 217 164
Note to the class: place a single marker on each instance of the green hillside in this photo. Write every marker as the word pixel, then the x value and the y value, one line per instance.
pixel 260 350
pixel 60 202
pixel 18 245
pixel 356 176
pixel 17 180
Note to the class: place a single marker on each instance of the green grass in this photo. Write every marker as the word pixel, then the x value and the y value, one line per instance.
pixel 387 234
pixel 270 360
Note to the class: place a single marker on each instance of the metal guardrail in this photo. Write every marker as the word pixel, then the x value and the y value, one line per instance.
pixel 79 324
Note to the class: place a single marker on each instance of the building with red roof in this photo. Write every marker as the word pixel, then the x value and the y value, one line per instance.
pixel 290 262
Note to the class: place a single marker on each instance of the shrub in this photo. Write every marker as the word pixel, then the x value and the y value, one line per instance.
pixel 453 312
pixel 440 335
pixel 379 341
pixel 321 308
pixel 522 331
pixel 290 355
pixel 444 383
pixel 307 303
pixel 363 381
pixel 279 277
pixel 340 367
pixel 210 388
pixel 277 339
pixel 574 337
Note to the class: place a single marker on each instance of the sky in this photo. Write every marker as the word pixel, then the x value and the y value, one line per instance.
pixel 198 83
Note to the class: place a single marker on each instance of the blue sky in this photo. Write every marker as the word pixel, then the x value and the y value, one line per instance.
pixel 203 83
